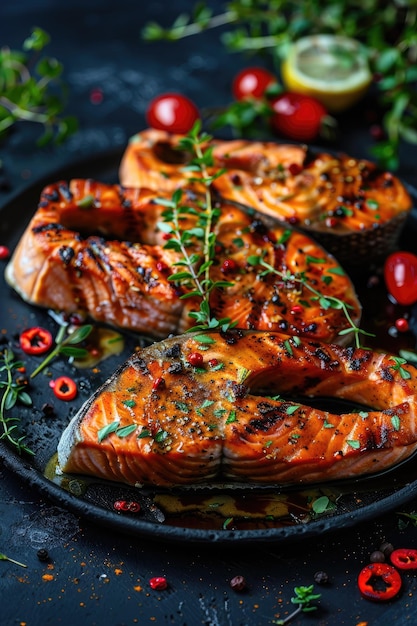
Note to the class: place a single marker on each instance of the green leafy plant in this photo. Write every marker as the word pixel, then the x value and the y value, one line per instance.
pixel 12 393
pixel 196 244
pixel 304 596
pixel 31 90
pixel 268 27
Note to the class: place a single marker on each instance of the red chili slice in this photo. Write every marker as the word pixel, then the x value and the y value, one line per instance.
pixel 35 340
pixel 64 388
pixel 404 558
pixel 379 581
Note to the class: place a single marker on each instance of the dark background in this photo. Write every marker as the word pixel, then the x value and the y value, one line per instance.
pixel 96 575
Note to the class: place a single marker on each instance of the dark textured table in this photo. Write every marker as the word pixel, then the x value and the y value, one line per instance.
pixel 96 574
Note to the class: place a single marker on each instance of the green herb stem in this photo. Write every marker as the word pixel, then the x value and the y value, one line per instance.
pixel 3 557
pixel 324 301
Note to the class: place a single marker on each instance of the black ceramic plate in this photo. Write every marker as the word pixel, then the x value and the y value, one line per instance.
pixel 356 501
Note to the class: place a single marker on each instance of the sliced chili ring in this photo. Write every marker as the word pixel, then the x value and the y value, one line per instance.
pixel 379 581
pixel 64 388
pixel 404 558
pixel 35 340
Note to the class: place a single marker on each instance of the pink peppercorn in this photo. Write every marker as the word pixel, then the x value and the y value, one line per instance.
pixel 401 324
pixel 158 383
pixel 294 169
pixel 195 359
pixel 228 266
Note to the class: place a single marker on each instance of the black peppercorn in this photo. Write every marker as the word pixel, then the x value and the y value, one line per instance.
pixel 42 554
pixel 387 548
pixel 377 557
pixel 321 578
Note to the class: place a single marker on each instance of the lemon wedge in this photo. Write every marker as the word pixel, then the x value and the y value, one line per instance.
pixel 331 68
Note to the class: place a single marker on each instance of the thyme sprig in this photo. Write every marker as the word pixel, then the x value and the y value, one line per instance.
pixel 304 596
pixel 31 90
pixel 12 393
pixel 325 302
pixel 195 244
pixel 66 345
pixel 268 27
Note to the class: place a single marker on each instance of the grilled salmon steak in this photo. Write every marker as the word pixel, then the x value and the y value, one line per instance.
pixel 217 407
pixel 98 250
pixel 353 208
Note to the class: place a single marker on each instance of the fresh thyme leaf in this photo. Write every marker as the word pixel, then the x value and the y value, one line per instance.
pixel 104 432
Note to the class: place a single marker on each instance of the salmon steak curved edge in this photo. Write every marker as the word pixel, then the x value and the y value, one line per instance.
pixel 160 420
pixel 355 209
pixel 97 250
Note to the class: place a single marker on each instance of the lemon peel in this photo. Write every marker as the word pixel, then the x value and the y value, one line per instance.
pixel 331 68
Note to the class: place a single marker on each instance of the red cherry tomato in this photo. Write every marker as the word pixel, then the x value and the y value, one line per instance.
pixel 379 581
pixel 404 558
pixel 35 340
pixel 172 112
pixel 252 82
pixel 400 274
pixel 64 388
pixel 297 116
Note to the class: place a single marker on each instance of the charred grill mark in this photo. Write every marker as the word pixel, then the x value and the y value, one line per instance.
pixel 175 368
pixel 232 336
pixel 44 228
pixel 386 374
pixel 239 390
pixel 66 253
pixel 173 352
pixel 65 192
pixel 266 421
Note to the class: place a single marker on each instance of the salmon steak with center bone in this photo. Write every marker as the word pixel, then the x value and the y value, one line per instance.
pixel 355 209
pixel 105 252
pixel 168 418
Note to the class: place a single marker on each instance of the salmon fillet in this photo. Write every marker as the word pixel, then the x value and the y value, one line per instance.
pixel 161 421
pixel 96 250
pixel 352 207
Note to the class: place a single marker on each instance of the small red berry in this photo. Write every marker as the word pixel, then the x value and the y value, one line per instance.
pixel 195 359
pixel 161 266
pixel 228 266
pixel 158 383
pixel 401 324
pixel 297 308
pixel 331 222
pixel 96 96
pixel 295 169
pixel 213 362
pixel 119 505
pixel 159 583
